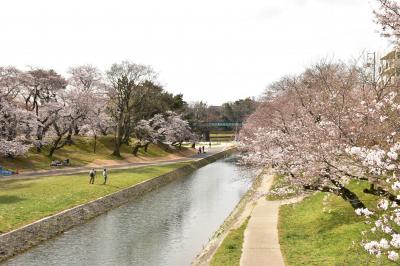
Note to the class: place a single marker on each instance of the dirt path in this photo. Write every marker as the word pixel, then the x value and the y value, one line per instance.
pixel 261 241
pixel 84 169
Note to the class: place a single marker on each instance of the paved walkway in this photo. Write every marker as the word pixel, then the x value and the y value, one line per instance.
pixel 84 169
pixel 261 242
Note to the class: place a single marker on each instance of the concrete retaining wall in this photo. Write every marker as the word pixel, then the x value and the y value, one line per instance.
pixel 23 238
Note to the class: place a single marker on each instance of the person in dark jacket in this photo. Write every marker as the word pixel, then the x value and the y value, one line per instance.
pixel 92 175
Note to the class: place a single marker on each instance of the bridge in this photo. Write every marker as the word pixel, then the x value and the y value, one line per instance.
pixel 221 124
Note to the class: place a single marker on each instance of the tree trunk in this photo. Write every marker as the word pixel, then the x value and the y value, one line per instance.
pixel 136 149
pixel 39 138
pixel 146 146
pixel 341 191
pixel 351 197
pixel 382 193
pixel 348 195
pixel 76 130
pixel 126 136
pixel 95 142
pixel 118 138
pixel 68 139
pixel 54 146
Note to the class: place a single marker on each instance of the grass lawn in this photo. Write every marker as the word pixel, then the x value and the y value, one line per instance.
pixel 25 201
pixel 316 233
pixel 230 251
pixel 80 153
pixel 217 136
pixel 281 183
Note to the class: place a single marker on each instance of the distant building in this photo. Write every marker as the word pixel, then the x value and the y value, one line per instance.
pixel 390 66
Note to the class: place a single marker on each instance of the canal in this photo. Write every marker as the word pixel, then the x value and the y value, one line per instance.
pixel 167 226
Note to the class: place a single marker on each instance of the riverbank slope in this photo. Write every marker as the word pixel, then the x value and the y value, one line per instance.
pixel 20 239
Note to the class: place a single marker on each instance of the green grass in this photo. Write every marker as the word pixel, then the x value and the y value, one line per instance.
pixel 281 182
pixel 24 201
pixel 230 251
pixel 80 153
pixel 314 233
pixel 218 136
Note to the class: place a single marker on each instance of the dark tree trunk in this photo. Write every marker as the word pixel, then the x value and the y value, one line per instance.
pixel 118 138
pixel 351 197
pixel 382 193
pixel 340 191
pixel 39 138
pixel 139 145
pixel 136 149
pixel 68 139
pixel 56 145
pixel 76 130
pixel 348 195
pixel 95 142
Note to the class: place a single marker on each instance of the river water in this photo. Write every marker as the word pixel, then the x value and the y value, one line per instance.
pixel 167 226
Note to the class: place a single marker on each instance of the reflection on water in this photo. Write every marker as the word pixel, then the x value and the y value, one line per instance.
pixel 167 226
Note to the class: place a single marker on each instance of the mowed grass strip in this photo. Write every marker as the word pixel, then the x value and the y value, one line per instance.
pixel 230 251
pixel 281 182
pixel 25 201
pixel 80 154
pixel 316 233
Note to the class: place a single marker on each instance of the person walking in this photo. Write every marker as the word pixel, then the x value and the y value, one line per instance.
pixel 199 150
pixel 203 150
pixel 209 145
pixel 92 175
pixel 105 175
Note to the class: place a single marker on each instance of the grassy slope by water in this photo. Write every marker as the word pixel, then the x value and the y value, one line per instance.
pixel 281 182
pixel 24 201
pixel 222 136
pixel 314 233
pixel 81 153
pixel 230 251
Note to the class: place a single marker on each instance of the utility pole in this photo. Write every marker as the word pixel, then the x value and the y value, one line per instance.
pixel 372 57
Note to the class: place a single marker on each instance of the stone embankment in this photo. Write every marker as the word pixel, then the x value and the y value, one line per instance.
pixel 23 238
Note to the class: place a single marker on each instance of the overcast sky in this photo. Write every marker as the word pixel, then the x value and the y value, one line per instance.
pixel 212 50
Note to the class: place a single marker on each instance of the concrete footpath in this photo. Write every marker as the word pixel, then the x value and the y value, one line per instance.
pixel 85 169
pixel 261 241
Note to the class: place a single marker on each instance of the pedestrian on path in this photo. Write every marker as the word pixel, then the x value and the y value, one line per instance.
pixel 203 150
pixel 92 175
pixel 199 150
pixel 209 144
pixel 105 175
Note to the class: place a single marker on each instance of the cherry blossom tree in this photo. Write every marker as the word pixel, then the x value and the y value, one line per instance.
pixel 177 130
pixel 169 127
pixel 10 82
pixel 309 123
pixel 388 17
pixel 17 128
pixel 326 127
pixel 40 91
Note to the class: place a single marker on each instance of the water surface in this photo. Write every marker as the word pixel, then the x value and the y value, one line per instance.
pixel 167 226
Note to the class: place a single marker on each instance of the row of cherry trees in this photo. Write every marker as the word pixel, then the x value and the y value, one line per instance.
pixel 331 125
pixel 40 107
